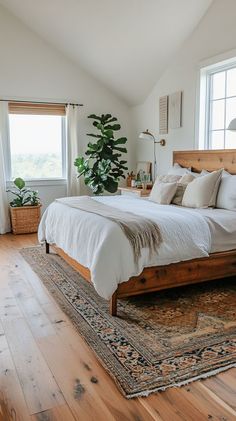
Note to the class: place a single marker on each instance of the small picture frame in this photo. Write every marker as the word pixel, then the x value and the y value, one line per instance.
pixel 144 166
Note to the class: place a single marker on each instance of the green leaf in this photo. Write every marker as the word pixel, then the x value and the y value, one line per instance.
pixel 95 117
pixel 94 135
pixel 122 167
pixel 79 161
pixel 16 203
pixel 124 150
pixel 108 133
pixel 106 117
pixel 81 164
pixel 26 200
pixel 19 183
pixel 115 157
pixel 113 127
pixel 111 185
pixel 98 125
pixel 92 147
pixel 120 141
pixel 111 120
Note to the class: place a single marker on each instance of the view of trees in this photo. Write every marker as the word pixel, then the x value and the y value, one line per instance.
pixel 36 165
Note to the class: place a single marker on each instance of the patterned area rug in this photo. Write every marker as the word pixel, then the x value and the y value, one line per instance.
pixel 159 340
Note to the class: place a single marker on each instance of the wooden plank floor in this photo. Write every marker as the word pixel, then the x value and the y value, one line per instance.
pixel 48 373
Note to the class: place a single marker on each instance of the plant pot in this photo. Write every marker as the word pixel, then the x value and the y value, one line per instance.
pixel 25 219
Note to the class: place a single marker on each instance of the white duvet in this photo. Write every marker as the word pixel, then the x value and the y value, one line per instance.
pixel 101 246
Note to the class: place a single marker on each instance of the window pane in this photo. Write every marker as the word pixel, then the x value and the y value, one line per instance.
pixel 217 139
pixel 218 108
pixel 230 110
pixel 218 85
pixel 230 140
pixel 231 82
pixel 36 146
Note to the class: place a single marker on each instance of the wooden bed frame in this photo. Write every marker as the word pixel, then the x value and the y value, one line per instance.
pixel 216 266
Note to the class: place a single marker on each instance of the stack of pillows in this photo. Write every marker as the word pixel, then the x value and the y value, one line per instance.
pixel 183 187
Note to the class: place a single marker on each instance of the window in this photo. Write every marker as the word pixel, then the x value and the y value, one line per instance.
pixel 37 141
pixel 217 106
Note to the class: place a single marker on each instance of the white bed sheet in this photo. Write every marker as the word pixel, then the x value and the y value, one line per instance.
pixel 101 245
pixel 222 224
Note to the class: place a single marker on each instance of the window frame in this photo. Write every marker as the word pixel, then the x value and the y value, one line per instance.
pixel 53 181
pixel 205 101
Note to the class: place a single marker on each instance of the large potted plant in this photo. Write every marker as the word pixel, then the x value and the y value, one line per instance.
pixel 24 208
pixel 104 166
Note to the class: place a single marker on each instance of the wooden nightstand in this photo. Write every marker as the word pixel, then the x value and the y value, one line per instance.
pixel 133 191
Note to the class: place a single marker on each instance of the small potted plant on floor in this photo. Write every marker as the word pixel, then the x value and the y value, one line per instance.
pixel 24 208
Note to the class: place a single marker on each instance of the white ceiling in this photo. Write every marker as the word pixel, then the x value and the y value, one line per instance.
pixel 125 44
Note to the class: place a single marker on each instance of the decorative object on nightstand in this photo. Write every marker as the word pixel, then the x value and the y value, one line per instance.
pixel 130 177
pixel 24 209
pixel 146 135
pixel 134 191
pixel 144 179
pixel 145 166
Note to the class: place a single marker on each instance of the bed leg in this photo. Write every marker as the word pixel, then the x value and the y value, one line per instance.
pixel 47 247
pixel 113 305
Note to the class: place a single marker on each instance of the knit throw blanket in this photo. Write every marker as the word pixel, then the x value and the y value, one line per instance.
pixel 140 231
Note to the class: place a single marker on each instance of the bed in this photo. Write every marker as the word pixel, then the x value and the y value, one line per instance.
pixel 213 248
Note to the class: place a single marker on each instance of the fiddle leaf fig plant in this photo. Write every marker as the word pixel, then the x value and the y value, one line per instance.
pixel 104 166
pixel 24 195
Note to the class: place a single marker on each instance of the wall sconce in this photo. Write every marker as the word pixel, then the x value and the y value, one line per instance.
pixel 146 135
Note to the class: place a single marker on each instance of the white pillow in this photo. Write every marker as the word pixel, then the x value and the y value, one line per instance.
pixel 226 198
pixel 169 178
pixel 186 178
pixel 163 193
pixel 202 192
pixel 224 173
pixel 178 170
pixel 181 187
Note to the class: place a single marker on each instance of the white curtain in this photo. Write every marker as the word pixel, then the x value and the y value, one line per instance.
pixel 4 141
pixel 73 183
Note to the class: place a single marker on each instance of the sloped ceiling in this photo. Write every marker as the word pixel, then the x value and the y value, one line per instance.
pixel 126 44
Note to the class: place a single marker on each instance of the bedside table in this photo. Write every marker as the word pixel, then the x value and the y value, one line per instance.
pixel 133 191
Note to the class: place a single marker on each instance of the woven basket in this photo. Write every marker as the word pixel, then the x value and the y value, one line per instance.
pixel 25 219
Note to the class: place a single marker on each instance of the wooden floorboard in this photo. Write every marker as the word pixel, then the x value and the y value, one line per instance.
pixel 48 372
pixel 59 413
pixel 11 392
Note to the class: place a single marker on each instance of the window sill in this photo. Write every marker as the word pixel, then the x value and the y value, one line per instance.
pixel 42 182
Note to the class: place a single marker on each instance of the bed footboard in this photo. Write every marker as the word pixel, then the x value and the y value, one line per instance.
pixel 157 278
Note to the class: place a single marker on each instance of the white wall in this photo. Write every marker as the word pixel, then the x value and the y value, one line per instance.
pixel 215 34
pixel 32 69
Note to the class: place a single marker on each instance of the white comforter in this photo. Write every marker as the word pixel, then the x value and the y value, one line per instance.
pixel 101 245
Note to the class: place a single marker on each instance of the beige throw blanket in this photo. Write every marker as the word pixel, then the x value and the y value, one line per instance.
pixel 140 231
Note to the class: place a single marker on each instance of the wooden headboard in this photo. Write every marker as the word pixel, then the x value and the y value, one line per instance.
pixel 208 160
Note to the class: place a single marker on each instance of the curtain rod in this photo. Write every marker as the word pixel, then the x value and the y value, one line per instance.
pixel 41 102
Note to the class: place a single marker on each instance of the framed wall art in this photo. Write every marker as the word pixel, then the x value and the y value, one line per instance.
pixel 175 110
